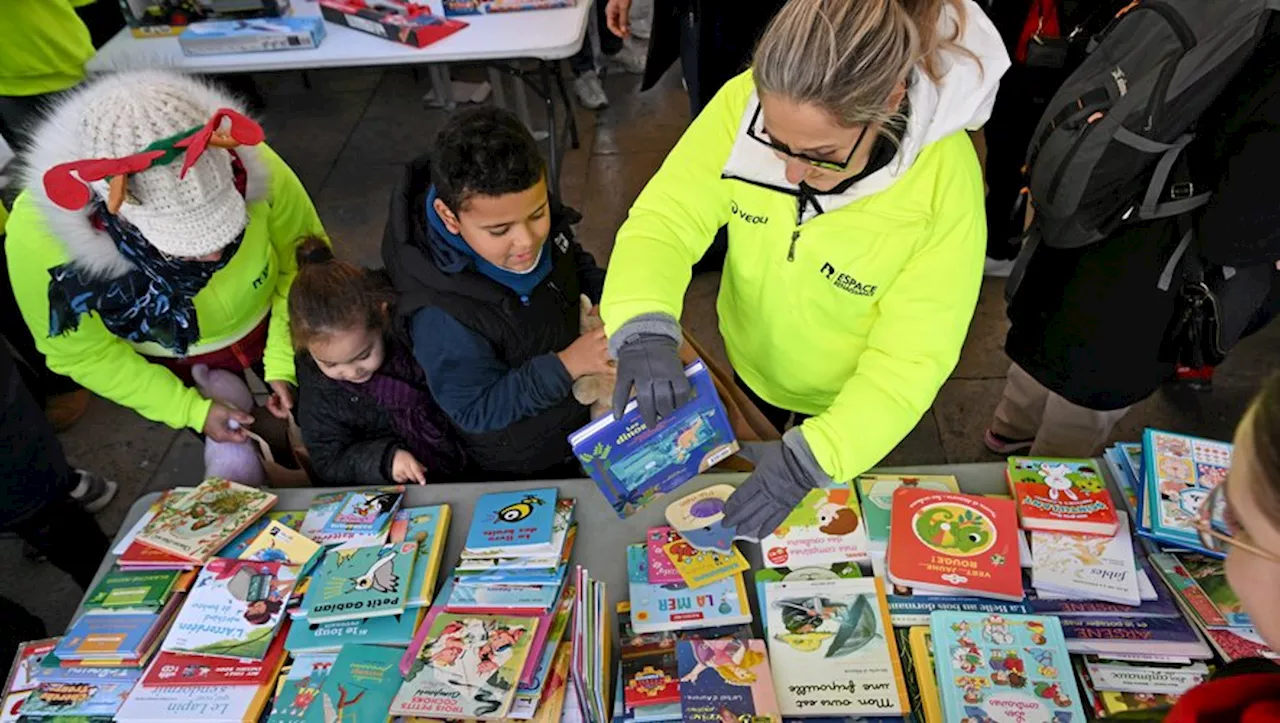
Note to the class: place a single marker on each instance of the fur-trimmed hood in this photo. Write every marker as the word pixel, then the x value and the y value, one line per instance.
pixel 59 138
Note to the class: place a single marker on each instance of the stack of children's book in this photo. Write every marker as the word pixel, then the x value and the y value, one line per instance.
pixel 1200 588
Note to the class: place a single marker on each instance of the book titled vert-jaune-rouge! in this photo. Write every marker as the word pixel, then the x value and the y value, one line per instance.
pixel 633 464
pixel 1062 495
pixel 202 522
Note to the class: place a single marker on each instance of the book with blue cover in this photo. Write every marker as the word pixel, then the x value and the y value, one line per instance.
pixel 1179 472
pixel 107 635
pixel 521 523
pixel 359 687
pixel 361 582
pixel 300 687
pixel 513 558
pixel 60 701
pixel 393 630
pixel 633 465
pixel 502 598
pixel 1004 667
pixel 655 608
pixel 365 510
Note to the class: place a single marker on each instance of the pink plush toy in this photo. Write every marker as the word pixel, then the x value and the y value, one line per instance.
pixel 236 461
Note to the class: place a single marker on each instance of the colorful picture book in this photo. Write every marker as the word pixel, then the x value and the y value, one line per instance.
pixel 825 528
pixel 64 700
pixel 280 543
pixel 136 591
pixel 369 510
pixel 920 641
pixel 591 669
pixel 361 582
pixel 1089 567
pixel 698 568
pixel 876 492
pixel 505 559
pixel 520 523
pixel 650 674
pixel 318 523
pixel 1004 668
pixel 546 637
pixel 655 608
pixel 832 650
pixel 726 678
pixel 1201 583
pixel 359 687
pixel 301 686
pixel 238 544
pixel 394 630
pixel 233 610
pixel 778 574
pixel 109 636
pixel 1236 643
pixel 469 667
pixel 633 465
pixel 429 527
pixel 1179 471
pixel 1062 495
pixel 199 524
pixel 501 598
pixel 205 703
pixel 661 570
pixel 182 670
pixel 943 542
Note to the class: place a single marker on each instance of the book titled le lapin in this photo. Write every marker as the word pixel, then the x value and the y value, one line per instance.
pixel 633 464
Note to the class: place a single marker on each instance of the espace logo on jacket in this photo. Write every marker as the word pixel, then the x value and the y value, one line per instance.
pixel 846 282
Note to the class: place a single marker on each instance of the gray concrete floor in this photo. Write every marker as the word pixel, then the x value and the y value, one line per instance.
pixel 347 135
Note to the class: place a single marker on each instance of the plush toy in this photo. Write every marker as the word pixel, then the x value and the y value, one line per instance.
pixel 236 461
pixel 593 390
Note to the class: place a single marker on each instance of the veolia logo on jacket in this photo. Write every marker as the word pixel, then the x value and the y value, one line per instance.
pixel 746 215
pixel 846 282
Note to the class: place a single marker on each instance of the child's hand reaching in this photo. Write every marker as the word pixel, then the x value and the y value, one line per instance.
pixel 281 401
pixel 406 468
pixel 588 354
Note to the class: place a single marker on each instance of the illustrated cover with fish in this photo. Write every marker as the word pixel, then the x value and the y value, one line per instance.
pixel 301 686
pixel 280 543
pixel 469 667
pixel 1086 566
pixel 823 529
pixel 180 669
pixel 395 630
pixel 633 465
pixel 361 582
pixel 698 568
pixel 233 609
pixel 429 527
pixel 521 522
pixel 238 544
pixel 655 608
pixel 200 523
pixel 726 680
pixel 517 557
pixel 944 541
pixel 1179 471
pixel 1062 495
pixel 832 650
pixel 368 510
pixel 358 688
pixel 876 493
pixel 1004 669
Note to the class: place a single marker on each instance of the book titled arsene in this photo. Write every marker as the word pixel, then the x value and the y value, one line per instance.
pixel 1062 495
pixel 633 464
pixel 202 522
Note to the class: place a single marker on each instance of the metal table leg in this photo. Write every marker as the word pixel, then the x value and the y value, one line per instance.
pixel 553 138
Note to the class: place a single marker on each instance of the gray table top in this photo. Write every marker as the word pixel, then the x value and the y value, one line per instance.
pixel 602 537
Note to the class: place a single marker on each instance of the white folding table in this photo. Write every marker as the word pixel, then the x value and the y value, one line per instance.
pixel 500 40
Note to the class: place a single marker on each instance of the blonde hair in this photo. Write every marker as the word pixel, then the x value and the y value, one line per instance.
pixel 849 56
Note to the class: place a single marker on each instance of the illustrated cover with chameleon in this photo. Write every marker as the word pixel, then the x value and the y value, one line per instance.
pixel 1004 669
pixel 361 582
pixel 633 465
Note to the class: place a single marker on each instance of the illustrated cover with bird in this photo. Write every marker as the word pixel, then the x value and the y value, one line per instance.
pixel 514 558
pixel 1062 495
pixel 825 528
pixel 1004 668
pixel 361 582
pixel 318 522
pixel 368 510
pixel 876 493
pixel 655 608
pixel 233 609
pixel 727 681
pixel 200 523
pixel 832 650
pixel 280 543
pixel 301 686
pixel 519 523
pixel 942 543
pixel 429 527
pixel 469 667
pixel 359 687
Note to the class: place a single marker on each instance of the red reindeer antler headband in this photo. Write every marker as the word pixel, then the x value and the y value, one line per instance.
pixel 66 184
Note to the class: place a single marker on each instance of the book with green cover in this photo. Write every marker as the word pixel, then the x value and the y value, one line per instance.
pixel 427 526
pixel 300 687
pixel 359 687
pixel 132 591
pixel 876 491
pixel 361 582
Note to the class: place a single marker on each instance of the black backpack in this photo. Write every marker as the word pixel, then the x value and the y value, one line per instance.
pixel 1105 150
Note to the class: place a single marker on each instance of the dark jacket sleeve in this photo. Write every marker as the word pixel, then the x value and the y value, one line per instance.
pixel 1241 224
pixel 590 275
pixel 339 454
pixel 478 391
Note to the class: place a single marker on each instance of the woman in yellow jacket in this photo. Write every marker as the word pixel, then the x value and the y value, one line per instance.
pixel 854 202
pixel 156 231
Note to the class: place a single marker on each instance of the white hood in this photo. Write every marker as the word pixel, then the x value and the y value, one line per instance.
pixel 960 100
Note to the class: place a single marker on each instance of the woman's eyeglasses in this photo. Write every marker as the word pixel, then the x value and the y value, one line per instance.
pixel 756 132
pixel 1214 534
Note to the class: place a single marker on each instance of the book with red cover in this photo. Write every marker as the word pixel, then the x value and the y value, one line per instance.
pixel 181 670
pixel 952 543
pixel 1062 495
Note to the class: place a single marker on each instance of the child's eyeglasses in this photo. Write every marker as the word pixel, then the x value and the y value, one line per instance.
pixel 1214 534
pixel 756 132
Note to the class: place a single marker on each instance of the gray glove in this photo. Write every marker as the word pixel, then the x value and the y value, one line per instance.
pixel 785 472
pixel 651 363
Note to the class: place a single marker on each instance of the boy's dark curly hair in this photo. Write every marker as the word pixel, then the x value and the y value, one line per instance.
pixel 484 151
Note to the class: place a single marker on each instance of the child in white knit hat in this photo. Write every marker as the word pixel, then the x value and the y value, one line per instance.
pixel 155 232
